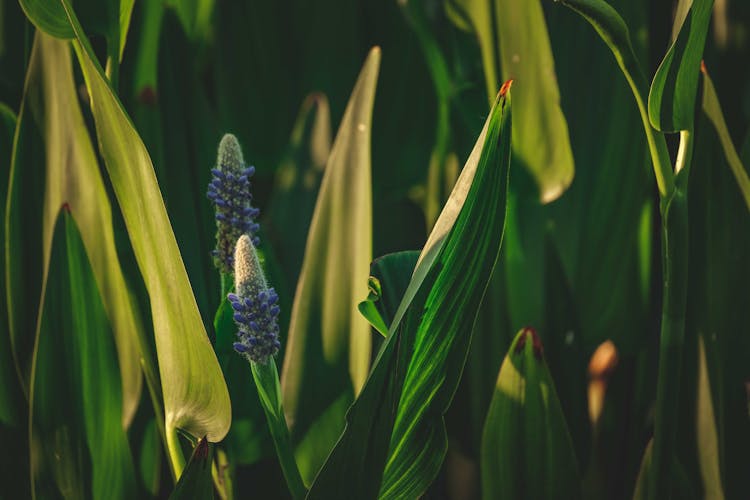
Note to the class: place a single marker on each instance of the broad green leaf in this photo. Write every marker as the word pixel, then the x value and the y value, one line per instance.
pixel 327 356
pixel 396 423
pixel 526 449
pixel 48 16
pixel 52 147
pixel 150 458
pixel 195 483
pixel 615 33
pixel 712 109
pixel 671 100
pixel 76 400
pixel 195 394
pixel 541 144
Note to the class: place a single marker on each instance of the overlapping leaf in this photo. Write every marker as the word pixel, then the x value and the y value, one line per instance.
pixel 46 174
pixel 395 430
pixel 195 395
pixel 671 101
pixel 328 348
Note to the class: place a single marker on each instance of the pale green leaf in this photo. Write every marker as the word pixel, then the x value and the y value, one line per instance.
pixel 196 399
pixel 712 109
pixel 328 348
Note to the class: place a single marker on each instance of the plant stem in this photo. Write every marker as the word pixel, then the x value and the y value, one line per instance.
pixel 672 338
pixel 176 458
pixel 267 381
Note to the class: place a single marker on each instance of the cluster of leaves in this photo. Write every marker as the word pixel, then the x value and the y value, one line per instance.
pixel 554 228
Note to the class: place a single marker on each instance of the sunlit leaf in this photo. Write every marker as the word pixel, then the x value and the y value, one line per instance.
pixel 671 101
pixel 327 356
pixel 395 429
pixel 526 449
pixel 62 170
pixel 195 394
pixel 516 46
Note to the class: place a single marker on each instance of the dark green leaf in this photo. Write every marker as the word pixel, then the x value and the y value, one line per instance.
pixel 671 101
pixel 428 337
pixel 195 482
pixel 526 449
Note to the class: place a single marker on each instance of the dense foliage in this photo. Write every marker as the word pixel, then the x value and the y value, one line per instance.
pixel 375 249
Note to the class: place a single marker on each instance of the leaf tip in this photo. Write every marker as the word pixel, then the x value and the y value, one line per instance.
pixel 536 342
pixel 505 88
pixel 703 67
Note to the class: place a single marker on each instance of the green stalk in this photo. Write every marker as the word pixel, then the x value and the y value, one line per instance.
pixel 267 381
pixel 176 458
pixel 672 338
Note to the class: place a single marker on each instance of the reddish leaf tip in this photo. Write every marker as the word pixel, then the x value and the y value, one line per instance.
pixel 703 67
pixel 147 96
pixel 506 87
pixel 535 340
pixel 66 207
pixel 201 449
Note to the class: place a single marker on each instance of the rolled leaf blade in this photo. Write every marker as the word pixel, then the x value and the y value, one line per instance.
pixel 671 100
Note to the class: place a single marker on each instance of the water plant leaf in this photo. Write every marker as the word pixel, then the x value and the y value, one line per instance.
pixel 62 169
pixel 712 108
pixel 671 100
pixel 75 397
pixel 327 357
pixel 527 451
pixel 195 482
pixel 615 33
pixel 395 429
pixel 196 399
pixel 516 46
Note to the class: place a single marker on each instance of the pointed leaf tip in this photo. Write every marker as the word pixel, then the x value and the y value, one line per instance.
pixel 536 342
pixel 506 87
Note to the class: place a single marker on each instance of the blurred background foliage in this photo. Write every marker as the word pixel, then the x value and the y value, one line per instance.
pixel 582 268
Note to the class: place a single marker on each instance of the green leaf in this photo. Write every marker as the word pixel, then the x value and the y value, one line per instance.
pixel 48 16
pixel 541 142
pixel 9 392
pixel 402 430
pixel 328 348
pixel 195 483
pixel 615 33
pixel 150 460
pixel 712 108
pixel 388 281
pixel 195 16
pixel 393 272
pixel 195 394
pixel 706 430
pixel 76 400
pixel 671 100
pixel 52 145
pixel 526 449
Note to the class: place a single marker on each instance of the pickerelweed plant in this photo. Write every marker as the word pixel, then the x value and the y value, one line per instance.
pixel 624 267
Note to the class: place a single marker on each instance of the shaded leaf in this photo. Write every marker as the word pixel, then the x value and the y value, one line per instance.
pixel 195 482
pixel 328 349
pixel 712 108
pixel 527 451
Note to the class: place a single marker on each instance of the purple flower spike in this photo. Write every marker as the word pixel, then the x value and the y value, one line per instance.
pixel 229 190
